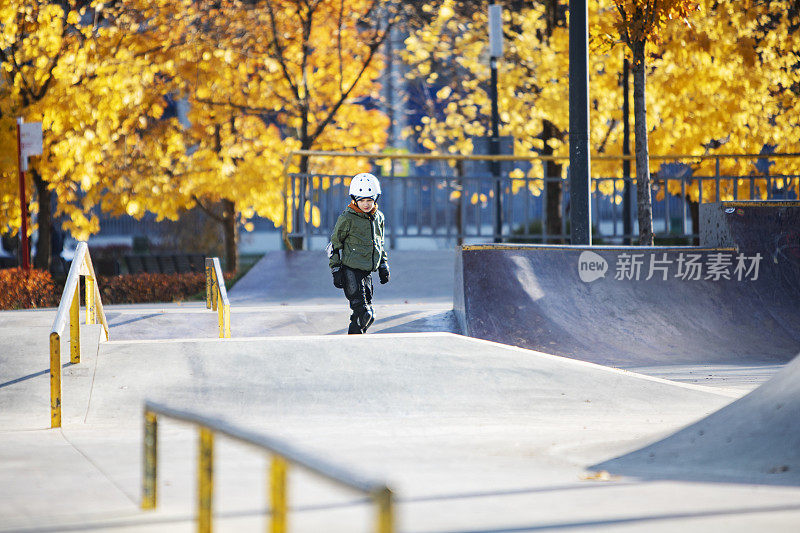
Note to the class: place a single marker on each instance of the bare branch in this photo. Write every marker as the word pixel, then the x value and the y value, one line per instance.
pixel 280 51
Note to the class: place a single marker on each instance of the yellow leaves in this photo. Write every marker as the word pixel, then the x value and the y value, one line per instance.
pixel 446 11
pixel 601 475
pixel 479 198
pixel 429 144
pixel 312 214
pixel 132 208
pixel 517 173
pixel 156 110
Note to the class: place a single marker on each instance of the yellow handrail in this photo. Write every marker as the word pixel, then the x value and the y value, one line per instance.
pixel 287 212
pixel 512 157
pixel 70 307
pixel 283 454
pixel 215 292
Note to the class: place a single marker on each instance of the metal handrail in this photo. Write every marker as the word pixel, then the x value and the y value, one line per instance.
pixel 215 291
pixel 282 455
pixel 69 306
pixel 290 203
pixel 511 157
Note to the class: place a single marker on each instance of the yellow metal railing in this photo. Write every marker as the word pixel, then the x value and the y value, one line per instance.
pixel 289 202
pixel 217 296
pixel 69 307
pixel 283 455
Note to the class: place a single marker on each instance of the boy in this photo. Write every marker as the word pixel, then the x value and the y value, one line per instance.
pixel 356 250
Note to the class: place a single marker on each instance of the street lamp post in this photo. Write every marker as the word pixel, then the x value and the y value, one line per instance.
pixel 495 52
pixel 627 198
pixel 579 165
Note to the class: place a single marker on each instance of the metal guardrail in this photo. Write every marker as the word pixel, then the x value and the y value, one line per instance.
pixel 283 454
pixel 457 202
pixel 217 296
pixel 69 307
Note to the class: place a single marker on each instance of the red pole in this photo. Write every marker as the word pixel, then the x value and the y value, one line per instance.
pixel 23 206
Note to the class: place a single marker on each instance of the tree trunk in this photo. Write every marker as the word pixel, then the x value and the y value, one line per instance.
pixel 554 191
pixel 694 213
pixel 643 195
pixel 45 222
pixel 231 236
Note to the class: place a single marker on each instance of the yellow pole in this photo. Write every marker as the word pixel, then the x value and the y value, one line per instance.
pixel 150 467
pixel 277 485
pixel 383 499
pixel 208 283
pixel 205 480
pixel 91 311
pixel 220 316
pixel 226 317
pixel 75 326
pixel 55 380
pixel 214 292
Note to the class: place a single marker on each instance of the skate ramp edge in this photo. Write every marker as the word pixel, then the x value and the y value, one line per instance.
pixel 380 373
pixel 754 440
pixel 631 306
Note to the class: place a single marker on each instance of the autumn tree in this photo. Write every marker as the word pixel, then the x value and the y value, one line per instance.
pixel 640 22
pixel 65 65
pixel 727 82
pixel 327 61
pixel 449 54
pixel 263 78
pixel 738 86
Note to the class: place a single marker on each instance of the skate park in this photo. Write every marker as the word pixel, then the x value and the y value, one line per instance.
pixel 470 434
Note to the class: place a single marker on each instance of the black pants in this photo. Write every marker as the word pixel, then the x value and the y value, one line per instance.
pixel 358 290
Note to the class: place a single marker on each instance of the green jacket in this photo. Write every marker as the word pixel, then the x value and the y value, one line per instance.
pixel 357 240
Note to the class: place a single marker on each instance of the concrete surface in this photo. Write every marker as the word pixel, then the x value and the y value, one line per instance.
pixel 303 277
pixel 753 440
pixel 291 293
pixel 539 297
pixel 399 407
pixel 193 320
pixel 473 436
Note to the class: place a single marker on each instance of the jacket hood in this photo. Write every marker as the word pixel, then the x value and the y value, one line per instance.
pixel 354 207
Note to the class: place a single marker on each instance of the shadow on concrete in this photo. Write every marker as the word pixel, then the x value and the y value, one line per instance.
pixel 30 376
pixel 137 319
pixel 630 520
pixel 754 440
pixel 433 323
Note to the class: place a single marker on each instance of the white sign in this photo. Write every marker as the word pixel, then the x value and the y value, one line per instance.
pixel 30 138
pixel 496 30
pixel 686 267
pixel 30 141
pixel 591 266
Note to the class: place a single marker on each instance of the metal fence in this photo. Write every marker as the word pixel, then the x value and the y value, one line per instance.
pixel 457 202
pixel 283 457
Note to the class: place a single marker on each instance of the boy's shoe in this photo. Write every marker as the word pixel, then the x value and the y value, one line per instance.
pixel 354 329
pixel 366 320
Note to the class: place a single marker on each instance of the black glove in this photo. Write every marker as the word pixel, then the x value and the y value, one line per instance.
pixel 338 277
pixel 383 273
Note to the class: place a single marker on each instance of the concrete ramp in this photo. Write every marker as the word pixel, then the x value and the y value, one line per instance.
pixel 754 440
pixel 303 277
pixel 457 426
pixel 472 436
pixel 386 376
pixel 632 306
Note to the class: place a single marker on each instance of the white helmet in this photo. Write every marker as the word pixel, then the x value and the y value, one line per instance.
pixel 365 185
